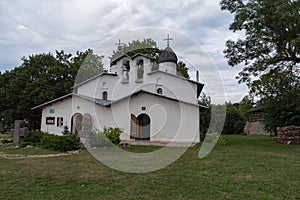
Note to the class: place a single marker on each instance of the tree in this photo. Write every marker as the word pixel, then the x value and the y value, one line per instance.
pixel 149 47
pixel 88 64
pixel 205 114
pixel 41 78
pixel 235 119
pixel 182 70
pixel 270 49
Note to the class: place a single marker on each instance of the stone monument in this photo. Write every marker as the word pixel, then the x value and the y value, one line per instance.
pixel 1 127
pixel 19 132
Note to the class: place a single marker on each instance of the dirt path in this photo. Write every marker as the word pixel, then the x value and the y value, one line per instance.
pixel 17 156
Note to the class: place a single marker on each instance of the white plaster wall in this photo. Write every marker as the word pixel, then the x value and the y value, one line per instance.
pixel 173 87
pixel 168 67
pixel 89 88
pixel 63 109
pixel 170 120
pixel 66 109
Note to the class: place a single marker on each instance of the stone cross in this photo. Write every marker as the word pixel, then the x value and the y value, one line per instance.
pixel 19 132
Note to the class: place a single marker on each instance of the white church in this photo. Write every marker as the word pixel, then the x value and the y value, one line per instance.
pixel 150 104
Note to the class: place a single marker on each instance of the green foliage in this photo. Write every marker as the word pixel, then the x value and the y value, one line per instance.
pixel 35 137
pixel 271 41
pixel 98 139
pixel 41 78
pixel 218 139
pixel 106 138
pixel 55 142
pixel 66 131
pixel 60 143
pixel 149 47
pixel 205 114
pixel 113 134
pixel 235 119
pixel 236 115
pixel 6 141
pixel 248 167
pixel 270 53
pixel 89 64
pixel 146 46
pixel 182 70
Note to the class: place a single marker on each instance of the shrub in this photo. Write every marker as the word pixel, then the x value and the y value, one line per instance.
pixel 98 139
pixel 66 131
pixel 60 143
pixel 6 141
pixel 34 137
pixel 113 134
pixel 55 142
pixel 101 139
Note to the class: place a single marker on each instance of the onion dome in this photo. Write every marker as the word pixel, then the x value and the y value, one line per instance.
pixel 167 55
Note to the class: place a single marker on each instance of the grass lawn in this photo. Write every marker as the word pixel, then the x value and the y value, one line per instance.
pixel 247 167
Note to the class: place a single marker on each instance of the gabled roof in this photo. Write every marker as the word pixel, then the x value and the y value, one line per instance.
pixel 119 55
pixel 143 55
pixel 108 103
pixel 94 77
pixel 199 85
pixel 70 95
pixel 154 94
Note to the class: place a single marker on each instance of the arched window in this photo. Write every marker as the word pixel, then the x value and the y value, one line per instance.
pixel 159 91
pixel 140 62
pixel 126 69
pixel 104 95
pixel 140 69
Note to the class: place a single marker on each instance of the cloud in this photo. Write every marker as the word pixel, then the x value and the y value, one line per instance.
pixel 32 26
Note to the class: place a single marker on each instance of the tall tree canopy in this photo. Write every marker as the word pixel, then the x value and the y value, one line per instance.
pixel 269 51
pixel 40 78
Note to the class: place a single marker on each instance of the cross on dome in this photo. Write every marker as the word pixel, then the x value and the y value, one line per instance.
pixel 168 40
pixel 119 44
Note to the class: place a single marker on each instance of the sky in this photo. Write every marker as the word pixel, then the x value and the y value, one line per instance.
pixel 34 26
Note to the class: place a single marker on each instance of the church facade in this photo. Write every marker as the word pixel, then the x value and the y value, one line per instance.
pixel 147 100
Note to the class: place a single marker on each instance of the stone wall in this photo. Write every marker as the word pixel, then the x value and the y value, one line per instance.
pixel 255 128
pixel 288 135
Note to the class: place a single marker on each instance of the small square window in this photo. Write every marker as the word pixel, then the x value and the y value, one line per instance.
pixel 143 108
pixel 51 110
pixel 50 120
pixel 60 121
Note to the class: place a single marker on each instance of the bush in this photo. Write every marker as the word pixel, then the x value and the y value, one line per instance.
pixel 6 141
pixel 34 137
pixel 55 142
pixel 60 143
pixel 113 134
pixel 105 138
pixel 66 131
pixel 98 139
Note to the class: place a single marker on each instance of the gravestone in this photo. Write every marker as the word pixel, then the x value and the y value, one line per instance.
pixel 19 132
pixel 1 127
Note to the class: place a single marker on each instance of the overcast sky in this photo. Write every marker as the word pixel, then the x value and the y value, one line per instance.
pixel 35 26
